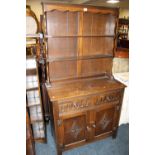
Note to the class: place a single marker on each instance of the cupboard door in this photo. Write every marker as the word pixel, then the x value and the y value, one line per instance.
pixel 104 121
pixel 74 129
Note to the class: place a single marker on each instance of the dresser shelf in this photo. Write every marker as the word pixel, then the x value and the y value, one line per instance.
pixel 50 59
pixel 47 36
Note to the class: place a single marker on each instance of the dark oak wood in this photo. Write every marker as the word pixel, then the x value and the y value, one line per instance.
pixel 84 98
pixel 33 96
pixel 30 147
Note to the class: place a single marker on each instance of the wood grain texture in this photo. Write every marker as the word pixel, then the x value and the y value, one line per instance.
pixel 30 149
pixel 85 99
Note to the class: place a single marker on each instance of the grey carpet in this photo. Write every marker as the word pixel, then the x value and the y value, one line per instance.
pixel 108 146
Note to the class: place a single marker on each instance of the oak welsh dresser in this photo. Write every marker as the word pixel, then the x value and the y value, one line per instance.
pixel 84 98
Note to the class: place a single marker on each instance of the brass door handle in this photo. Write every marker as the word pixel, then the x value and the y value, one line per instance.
pixel 88 128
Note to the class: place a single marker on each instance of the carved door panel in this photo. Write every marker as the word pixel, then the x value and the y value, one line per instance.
pixel 104 120
pixel 74 129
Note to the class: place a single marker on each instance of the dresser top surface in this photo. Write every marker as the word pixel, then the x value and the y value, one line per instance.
pixel 82 88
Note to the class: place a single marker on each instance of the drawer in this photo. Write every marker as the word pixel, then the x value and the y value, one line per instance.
pixel 108 98
pixel 89 102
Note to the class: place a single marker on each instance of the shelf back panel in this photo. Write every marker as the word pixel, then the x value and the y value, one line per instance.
pixel 97 46
pixel 98 24
pixel 62 47
pixel 61 23
pixel 60 70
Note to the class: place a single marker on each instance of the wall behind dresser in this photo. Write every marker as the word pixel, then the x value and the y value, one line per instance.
pixel 120 65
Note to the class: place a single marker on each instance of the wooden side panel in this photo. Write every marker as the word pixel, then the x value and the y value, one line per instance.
pixel 117 114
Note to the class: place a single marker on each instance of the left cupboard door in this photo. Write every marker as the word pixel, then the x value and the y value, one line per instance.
pixel 73 130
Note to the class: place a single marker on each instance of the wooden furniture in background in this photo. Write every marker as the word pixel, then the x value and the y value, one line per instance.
pixel 85 99
pixel 122 53
pixel 123 32
pixel 33 93
pixel 34 102
pixel 122 50
pixel 30 147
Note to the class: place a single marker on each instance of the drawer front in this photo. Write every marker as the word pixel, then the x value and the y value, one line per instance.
pixel 88 103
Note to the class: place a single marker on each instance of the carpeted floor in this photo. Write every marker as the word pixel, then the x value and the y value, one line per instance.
pixel 108 146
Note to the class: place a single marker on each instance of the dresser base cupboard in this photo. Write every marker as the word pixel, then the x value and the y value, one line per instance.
pixel 85 111
pixel 84 98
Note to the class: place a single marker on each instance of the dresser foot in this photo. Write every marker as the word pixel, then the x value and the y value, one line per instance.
pixel 59 152
pixel 114 135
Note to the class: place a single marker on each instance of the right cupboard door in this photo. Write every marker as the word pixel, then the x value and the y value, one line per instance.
pixel 104 121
